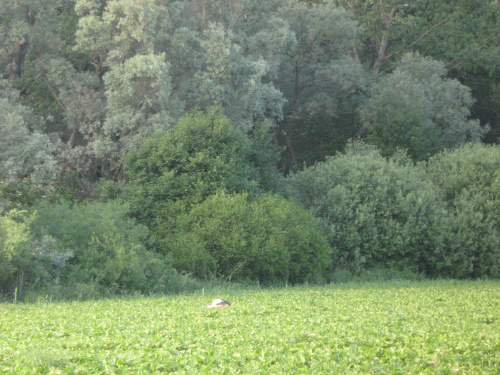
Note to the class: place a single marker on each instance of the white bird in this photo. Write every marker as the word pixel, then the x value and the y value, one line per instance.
pixel 219 303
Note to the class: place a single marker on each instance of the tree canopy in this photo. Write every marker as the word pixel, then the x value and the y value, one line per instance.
pixel 203 154
pixel 169 111
pixel 417 109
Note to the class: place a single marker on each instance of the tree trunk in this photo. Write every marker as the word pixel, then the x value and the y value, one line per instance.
pixel 384 42
pixel 203 14
pixel 17 59
pixel 355 54
pixel 20 47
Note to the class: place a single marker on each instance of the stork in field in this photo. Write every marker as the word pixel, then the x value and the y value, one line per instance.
pixel 219 303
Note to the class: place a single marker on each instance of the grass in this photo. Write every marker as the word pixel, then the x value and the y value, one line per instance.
pixel 430 327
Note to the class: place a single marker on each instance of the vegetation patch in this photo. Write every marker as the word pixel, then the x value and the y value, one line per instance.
pixel 403 327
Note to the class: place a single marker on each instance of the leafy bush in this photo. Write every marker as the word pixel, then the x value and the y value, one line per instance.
pixel 25 260
pixel 469 178
pixel 109 248
pixel 268 239
pixel 374 211
pixel 15 256
pixel 203 154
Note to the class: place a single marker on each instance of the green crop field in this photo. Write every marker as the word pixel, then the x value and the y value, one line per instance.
pixel 430 327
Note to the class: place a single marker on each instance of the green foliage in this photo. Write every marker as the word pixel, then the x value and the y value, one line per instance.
pixel 113 31
pixel 26 160
pixel 417 109
pixel 105 74
pixel 441 220
pixel 390 328
pixel 374 211
pixel 461 33
pixel 15 253
pixel 108 248
pixel 233 82
pixel 25 261
pixel 316 75
pixel 73 110
pixel 267 239
pixel 201 155
pixel 84 83
pixel 320 81
pixel 28 29
pixel 138 95
pixel 375 274
pixel 469 178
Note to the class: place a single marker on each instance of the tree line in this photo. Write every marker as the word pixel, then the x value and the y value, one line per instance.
pixel 147 145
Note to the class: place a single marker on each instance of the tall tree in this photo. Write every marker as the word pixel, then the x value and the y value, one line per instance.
pixel 309 50
pixel 113 31
pixel 465 37
pixel 321 80
pixel 234 82
pixel 138 102
pixel 26 155
pixel 28 29
pixel 78 112
pixel 121 94
pixel 417 108
pixel 461 33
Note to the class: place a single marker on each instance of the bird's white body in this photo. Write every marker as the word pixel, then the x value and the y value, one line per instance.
pixel 219 303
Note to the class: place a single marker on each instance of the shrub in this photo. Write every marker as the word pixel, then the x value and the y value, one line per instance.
pixel 25 261
pixel 375 211
pixel 268 239
pixel 15 255
pixel 201 155
pixel 108 247
pixel 469 179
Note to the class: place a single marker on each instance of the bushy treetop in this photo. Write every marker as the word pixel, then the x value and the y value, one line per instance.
pixel 268 239
pixel 417 108
pixel 204 153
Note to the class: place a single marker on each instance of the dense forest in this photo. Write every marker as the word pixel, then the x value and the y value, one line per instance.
pixel 148 146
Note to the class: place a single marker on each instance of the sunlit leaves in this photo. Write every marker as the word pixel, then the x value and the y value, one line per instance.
pixel 204 153
pixel 268 239
pixel 138 99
